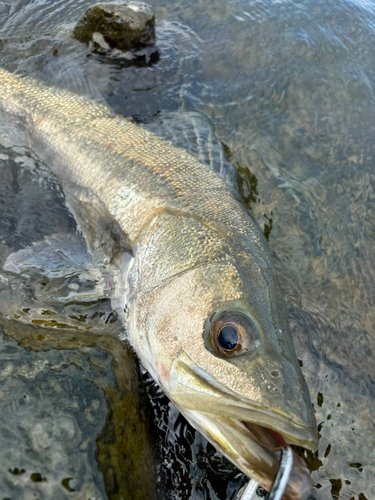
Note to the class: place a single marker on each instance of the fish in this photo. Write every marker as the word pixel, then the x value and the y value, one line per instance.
pixel 196 289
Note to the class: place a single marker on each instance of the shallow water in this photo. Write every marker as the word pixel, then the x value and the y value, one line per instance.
pixel 287 87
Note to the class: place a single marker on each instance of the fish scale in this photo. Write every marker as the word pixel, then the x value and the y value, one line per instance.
pixel 155 173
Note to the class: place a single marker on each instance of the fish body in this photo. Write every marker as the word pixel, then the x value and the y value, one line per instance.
pixel 204 310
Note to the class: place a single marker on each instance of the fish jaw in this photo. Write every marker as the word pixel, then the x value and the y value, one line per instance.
pixel 254 449
pixel 250 436
pixel 193 389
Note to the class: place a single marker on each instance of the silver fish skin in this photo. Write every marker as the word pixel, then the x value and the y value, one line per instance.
pixel 200 276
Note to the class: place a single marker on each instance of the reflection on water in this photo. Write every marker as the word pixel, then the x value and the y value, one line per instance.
pixel 287 87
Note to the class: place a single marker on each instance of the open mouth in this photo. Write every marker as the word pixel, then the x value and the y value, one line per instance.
pixel 255 450
pixel 299 485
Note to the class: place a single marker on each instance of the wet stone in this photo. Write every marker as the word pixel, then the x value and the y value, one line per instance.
pixel 122 26
pixel 4 8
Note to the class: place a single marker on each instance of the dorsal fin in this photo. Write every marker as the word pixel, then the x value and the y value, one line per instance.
pixel 192 131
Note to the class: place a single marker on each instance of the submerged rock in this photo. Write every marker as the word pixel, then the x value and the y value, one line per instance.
pixel 72 394
pixel 122 26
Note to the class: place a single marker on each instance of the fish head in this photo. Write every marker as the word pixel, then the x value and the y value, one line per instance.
pixel 216 338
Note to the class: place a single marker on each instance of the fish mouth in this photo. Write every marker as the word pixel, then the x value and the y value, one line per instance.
pixel 299 483
pixel 255 450
pixel 250 435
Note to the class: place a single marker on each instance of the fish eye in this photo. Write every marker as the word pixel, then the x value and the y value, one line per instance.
pixel 233 333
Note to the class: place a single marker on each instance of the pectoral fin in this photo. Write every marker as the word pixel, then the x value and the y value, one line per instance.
pixel 101 231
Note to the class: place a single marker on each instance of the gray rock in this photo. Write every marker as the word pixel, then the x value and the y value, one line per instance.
pixel 122 26
pixel 4 8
